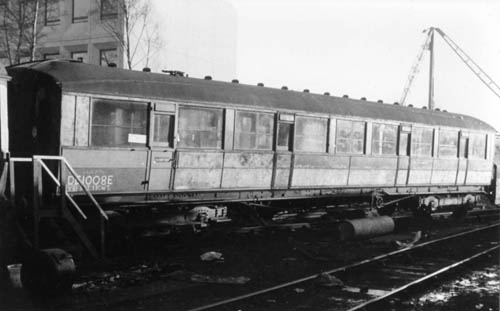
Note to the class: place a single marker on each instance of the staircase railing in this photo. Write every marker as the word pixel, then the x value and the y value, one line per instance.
pixel 39 166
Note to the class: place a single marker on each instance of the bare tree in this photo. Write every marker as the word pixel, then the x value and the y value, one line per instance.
pixel 134 29
pixel 20 29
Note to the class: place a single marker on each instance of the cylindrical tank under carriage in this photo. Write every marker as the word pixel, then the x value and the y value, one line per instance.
pixel 140 148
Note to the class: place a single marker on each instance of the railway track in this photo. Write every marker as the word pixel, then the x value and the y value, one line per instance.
pixel 369 283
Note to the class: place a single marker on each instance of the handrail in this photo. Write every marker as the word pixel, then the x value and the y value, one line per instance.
pixel 47 170
pixel 92 198
pixel 40 159
pixel 75 175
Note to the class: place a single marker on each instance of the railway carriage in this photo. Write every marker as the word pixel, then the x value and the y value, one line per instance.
pixel 124 141
pixel 139 136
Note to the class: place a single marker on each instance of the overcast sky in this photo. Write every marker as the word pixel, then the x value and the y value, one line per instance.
pixel 366 49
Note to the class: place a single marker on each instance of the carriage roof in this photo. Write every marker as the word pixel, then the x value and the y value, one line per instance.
pixel 92 79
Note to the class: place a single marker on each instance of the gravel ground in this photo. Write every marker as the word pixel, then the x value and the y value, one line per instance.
pixel 161 274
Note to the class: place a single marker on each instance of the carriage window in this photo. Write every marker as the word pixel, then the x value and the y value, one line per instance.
pixel 477 146
pixel 310 134
pixel 254 130
pixel 384 139
pixel 285 136
pixel 448 144
pixel 200 128
pixel 118 123
pixel 163 129
pixel 350 136
pixel 421 142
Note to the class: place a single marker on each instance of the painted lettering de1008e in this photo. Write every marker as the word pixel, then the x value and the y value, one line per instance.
pixel 92 182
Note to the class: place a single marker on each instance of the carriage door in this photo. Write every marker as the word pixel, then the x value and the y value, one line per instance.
pixel 463 146
pixel 162 118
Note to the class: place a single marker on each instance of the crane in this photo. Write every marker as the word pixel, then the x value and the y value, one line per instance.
pixel 429 45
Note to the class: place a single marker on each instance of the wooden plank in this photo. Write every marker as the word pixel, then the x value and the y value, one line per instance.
pixel 82 121
pixel 229 129
pixel 371 177
pixel 194 159
pixel 248 160
pixel 246 178
pixel 370 163
pixel 68 117
pixel 105 158
pixel 320 161
pixel 319 177
pixel 480 165
pixel 201 178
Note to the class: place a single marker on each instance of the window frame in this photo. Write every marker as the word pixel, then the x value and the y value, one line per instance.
pixel 381 142
pixel 93 101
pixel 350 139
pixel 103 51
pixel 108 15
pixel 193 107
pixel 471 154
pixel 79 19
pixel 309 117
pixel 289 119
pixel 51 22
pixel 152 128
pixel 80 52
pixel 431 143
pixel 439 144
pixel 258 115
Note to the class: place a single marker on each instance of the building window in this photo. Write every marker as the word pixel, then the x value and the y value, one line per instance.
pixel 163 130
pixel 107 57
pixel 350 137
pixel 48 56
pixel 384 139
pixel 477 146
pixel 310 134
pixel 200 128
pixel 118 123
pixel 109 8
pixel 80 10
pixel 80 56
pixel 448 144
pixel 254 131
pixel 52 12
pixel 421 142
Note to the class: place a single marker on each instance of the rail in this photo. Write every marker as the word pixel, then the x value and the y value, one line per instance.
pixel 356 265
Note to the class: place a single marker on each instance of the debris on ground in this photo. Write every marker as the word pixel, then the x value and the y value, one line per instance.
pixel 211 256
pixel 299 290
pixel 239 280
pixel 183 275
pixel 416 238
pixel 309 255
pixel 327 280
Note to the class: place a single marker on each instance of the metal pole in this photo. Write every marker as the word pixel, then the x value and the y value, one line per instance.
pixel 431 70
